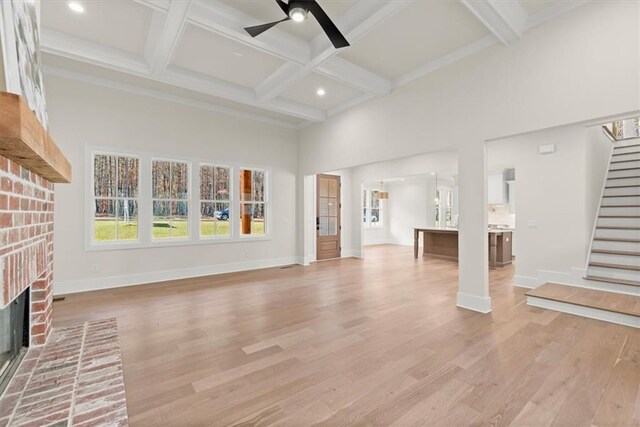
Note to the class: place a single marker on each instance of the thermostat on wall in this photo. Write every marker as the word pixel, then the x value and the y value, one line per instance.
pixel 547 149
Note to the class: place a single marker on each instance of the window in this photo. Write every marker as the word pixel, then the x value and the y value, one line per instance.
pixel 215 197
pixel 170 193
pixel 252 202
pixel 115 198
pixel 371 208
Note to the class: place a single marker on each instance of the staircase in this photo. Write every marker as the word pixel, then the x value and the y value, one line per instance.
pixel 615 250
pixel 611 288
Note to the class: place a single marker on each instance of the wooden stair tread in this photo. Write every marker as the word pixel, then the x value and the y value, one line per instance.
pixel 613 196
pixel 619 216
pixel 610 252
pixel 592 298
pixel 616 239
pixel 626 146
pixel 614 266
pixel 626 154
pixel 624 169
pixel 624 177
pixel 620 206
pixel 625 161
pixel 611 227
pixel 622 186
pixel 613 280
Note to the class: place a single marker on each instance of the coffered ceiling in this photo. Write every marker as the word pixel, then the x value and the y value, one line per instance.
pixel 196 51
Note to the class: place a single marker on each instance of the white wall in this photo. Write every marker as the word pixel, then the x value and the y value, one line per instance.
pixel 555 75
pixel 560 193
pixel 407 209
pixel 83 115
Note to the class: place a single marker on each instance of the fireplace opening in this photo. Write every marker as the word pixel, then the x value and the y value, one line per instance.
pixel 14 336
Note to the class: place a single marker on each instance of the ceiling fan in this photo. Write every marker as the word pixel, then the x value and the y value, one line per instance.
pixel 297 10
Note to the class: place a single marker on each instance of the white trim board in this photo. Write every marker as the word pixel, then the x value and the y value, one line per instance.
pixel 111 282
pixel 474 303
pixel 592 313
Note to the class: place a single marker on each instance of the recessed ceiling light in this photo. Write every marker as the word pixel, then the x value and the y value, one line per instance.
pixel 76 7
pixel 321 92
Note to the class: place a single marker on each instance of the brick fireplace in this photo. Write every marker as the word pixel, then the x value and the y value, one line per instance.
pixel 26 243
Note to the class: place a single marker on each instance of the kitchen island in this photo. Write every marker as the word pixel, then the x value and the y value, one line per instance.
pixel 443 242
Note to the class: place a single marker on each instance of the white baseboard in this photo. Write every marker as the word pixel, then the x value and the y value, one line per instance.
pixel 590 312
pixel 473 302
pixel 352 254
pixel 85 285
pixel 526 282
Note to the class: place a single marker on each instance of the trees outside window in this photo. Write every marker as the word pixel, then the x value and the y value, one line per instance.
pixel 115 197
pixel 215 201
pixel 252 202
pixel 170 193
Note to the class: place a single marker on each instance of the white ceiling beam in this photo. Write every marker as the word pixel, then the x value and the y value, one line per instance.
pixel 162 40
pixel 71 47
pixel 347 72
pixel 355 23
pixel 505 19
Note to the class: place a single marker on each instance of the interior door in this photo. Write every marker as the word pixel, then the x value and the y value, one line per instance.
pixel 328 217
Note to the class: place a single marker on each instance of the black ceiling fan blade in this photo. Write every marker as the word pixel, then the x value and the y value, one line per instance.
pixel 283 6
pixel 327 25
pixel 259 29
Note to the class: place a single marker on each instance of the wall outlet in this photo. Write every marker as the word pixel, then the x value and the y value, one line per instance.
pixel 94 268
pixel 532 224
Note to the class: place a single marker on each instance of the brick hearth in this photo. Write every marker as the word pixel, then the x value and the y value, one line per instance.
pixel 74 380
pixel 26 243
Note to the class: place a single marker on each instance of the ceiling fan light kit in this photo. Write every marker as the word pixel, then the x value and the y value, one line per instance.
pixel 297 11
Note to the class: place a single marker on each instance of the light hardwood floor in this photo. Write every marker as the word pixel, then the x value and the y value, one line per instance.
pixel 361 342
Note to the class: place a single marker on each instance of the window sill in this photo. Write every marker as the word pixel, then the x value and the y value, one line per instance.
pixel 117 246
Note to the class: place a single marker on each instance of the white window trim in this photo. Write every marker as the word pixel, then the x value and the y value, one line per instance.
pixel 145 205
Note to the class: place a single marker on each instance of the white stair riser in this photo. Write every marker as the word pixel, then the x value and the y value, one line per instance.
pixel 623 191
pixel 612 287
pixel 578 310
pixel 619 174
pixel 626 143
pixel 616 246
pixel 616 259
pixel 625 181
pixel 628 155
pixel 626 165
pixel 625 211
pixel 609 201
pixel 620 234
pixel 613 273
pixel 619 222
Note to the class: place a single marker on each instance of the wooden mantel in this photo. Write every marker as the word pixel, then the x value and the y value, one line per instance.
pixel 25 141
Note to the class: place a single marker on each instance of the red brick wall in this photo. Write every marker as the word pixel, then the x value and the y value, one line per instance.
pixel 26 243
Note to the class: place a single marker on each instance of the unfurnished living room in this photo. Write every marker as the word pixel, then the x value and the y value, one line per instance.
pixel 319 212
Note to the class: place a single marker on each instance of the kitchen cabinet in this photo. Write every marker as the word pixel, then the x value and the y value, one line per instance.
pixel 497 189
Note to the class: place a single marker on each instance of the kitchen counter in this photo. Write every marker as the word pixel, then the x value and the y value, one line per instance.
pixel 443 242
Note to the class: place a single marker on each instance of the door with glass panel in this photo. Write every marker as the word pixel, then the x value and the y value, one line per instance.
pixel 328 217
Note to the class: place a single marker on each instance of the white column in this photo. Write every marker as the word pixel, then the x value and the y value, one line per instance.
pixel 473 252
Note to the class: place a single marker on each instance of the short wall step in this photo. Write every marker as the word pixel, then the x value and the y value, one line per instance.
pixel 595 304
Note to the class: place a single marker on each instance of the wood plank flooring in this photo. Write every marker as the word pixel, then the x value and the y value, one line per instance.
pixel 366 342
pixel 609 301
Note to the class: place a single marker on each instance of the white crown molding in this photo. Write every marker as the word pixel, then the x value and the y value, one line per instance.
pixel 82 50
pixel 506 20
pixel 156 94
pixel 552 12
